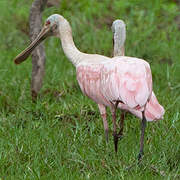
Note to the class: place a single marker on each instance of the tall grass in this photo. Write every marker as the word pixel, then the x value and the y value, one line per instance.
pixel 61 136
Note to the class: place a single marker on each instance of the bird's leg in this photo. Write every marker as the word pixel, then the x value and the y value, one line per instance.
pixel 121 124
pixel 102 110
pixel 113 111
pixel 143 126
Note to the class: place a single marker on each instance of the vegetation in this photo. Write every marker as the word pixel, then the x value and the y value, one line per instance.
pixel 61 136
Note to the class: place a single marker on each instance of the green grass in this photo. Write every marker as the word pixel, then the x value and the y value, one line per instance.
pixel 62 137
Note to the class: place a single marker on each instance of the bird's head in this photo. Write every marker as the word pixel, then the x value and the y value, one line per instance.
pixel 50 28
pixel 118 24
pixel 52 23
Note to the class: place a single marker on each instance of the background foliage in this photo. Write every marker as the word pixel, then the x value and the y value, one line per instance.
pixel 61 137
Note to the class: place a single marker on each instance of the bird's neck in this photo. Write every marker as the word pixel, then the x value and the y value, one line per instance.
pixel 118 50
pixel 69 48
pixel 118 40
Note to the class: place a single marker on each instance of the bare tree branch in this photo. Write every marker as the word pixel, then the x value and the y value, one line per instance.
pixel 38 55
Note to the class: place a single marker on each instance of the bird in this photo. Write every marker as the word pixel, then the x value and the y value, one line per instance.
pixel 110 82
pixel 119 36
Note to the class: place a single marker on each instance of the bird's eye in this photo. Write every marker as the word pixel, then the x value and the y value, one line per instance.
pixel 48 22
pixel 53 27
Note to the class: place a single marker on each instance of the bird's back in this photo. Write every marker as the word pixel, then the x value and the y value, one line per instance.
pixel 119 78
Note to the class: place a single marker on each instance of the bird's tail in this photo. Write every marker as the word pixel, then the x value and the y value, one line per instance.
pixel 154 111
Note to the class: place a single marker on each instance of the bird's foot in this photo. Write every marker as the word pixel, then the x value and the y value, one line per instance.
pixel 120 136
pixel 117 137
pixel 140 155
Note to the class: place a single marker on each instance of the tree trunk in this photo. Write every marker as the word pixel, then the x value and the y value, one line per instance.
pixel 179 15
pixel 38 55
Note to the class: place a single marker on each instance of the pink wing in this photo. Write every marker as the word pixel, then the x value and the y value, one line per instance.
pixel 89 80
pixel 130 83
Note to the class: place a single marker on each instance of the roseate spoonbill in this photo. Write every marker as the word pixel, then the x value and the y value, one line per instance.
pixel 108 81
pixel 119 37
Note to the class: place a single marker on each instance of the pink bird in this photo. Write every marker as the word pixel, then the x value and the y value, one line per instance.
pixel 110 82
pixel 154 110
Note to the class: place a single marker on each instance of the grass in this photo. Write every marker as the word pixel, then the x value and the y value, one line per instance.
pixel 61 137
